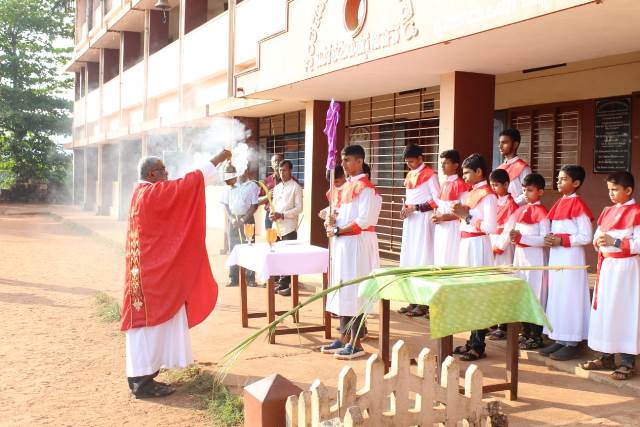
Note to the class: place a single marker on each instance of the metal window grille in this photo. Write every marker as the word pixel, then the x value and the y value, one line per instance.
pixel 550 139
pixel 283 134
pixel 384 125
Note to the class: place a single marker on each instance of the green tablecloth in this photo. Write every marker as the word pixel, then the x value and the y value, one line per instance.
pixel 462 302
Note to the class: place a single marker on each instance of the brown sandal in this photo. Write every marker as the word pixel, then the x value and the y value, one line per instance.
pixel 622 373
pixel 598 364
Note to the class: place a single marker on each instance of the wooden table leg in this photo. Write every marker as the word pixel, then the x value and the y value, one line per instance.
pixel 512 360
pixel 271 307
pixel 295 298
pixel 242 279
pixel 383 338
pixel 326 315
pixel 444 348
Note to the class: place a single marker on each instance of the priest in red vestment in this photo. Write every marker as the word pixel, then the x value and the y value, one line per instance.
pixel 169 286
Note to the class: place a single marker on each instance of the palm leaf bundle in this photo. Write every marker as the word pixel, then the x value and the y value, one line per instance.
pixel 399 273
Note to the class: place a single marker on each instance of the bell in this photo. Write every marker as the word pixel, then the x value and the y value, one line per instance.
pixel 163 5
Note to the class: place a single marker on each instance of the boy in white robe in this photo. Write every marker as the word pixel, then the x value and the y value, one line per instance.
pixel 615 313
pixel 422 187
pixel 478 221
pixel 355 252
pixel 527 228
pixel 568 295
pixel 446 233
pixel 500 240
pixel 517 168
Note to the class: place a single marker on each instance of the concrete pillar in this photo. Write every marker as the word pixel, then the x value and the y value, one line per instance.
pixel 316 185
pixel 265 400
pixel 78 177
pixel 129 156
pixel 466 113
pixel 90 175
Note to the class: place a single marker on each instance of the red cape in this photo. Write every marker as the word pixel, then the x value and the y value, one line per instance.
pixel 569 208
pixel 505 211
pixel 451 190
pixel 531 214
pixel 167 265
pixel 514 169
pixel 476 195
pixel 417 178
pixel 619 217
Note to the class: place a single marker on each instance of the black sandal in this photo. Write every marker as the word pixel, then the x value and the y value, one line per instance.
pixel 472 355
pixel 599 364
pixel 461 349
pixel 417 311
pixel 154 389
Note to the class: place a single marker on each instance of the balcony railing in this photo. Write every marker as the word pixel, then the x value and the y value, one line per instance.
pixel 111 97
pixel 78 113
pixel 163 70
pixel 133 86
pixel 93 106
pixel 205 50
pixel 255 20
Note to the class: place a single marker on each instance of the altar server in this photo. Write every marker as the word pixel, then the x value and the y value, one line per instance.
pixel 568 298
pixel 355 252
pixel 615 312
pixel 446 233
pixel 478 221
pixel 500 241
pixel 422 187
pixel 514 165
pixel 527 229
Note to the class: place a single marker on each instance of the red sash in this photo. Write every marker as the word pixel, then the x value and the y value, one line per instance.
pixel 514 169
pixel 467 234
pixel 569 208
pixel 355 230
pixel 416 178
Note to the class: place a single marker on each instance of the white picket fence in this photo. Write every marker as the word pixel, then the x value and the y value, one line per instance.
pixel 399 398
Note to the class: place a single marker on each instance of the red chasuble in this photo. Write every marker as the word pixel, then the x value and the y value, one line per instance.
pixel 514 169
pixel 416 178
pixel 504 211
pixel 451 190
pixel 166 260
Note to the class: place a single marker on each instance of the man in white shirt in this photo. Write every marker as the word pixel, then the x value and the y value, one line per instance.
pixel 240 201
pixel 287 206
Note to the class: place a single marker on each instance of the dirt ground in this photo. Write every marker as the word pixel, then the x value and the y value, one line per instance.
pixel 61 365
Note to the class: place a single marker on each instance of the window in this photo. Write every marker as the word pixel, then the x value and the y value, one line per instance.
pixel 282 134
pixel 384 125
pixel 550 139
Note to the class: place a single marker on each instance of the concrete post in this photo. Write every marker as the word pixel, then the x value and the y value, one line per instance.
pixel 264 401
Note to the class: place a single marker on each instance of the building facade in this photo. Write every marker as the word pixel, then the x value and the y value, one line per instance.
pixel 440 74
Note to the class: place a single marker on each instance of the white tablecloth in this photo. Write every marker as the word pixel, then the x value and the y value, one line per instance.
pixel 290 257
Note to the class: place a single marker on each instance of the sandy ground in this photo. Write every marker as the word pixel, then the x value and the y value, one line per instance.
pixel 60 365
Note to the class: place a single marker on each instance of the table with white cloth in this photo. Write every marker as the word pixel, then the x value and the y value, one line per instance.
pixel 288 258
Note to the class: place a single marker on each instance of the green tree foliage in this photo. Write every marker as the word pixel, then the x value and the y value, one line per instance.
pixel 34 43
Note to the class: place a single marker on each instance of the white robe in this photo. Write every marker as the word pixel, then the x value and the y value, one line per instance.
pixel 354 256
pixel 568 297
pixel 446 235
pixel 532 256
pixel 166 345
pixel 615 326
pixel 417 228
pixel 477 251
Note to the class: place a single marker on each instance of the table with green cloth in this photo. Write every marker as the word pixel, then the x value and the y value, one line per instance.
pixel 459 303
